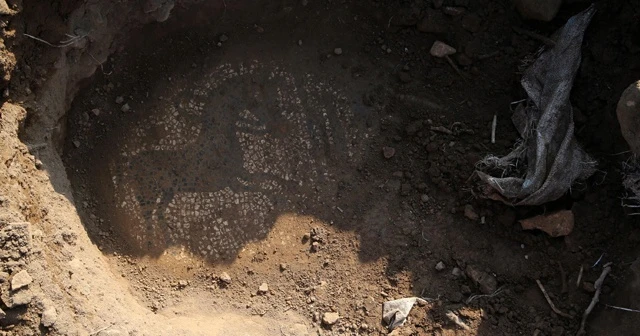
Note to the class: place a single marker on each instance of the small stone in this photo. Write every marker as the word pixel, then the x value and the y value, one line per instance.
pixel 125 108
pixel 456 272
pixel 20 298
pixel 424 198
pixel 300 42
pixel 182 284
pixel 283 267
pixel 440 49
pixel 20 279
pixel 470 213
pixel 440 266
pixel 49 317
pixel 543 10
pixel 337 51
pixel 388 152
pixel 485 281
pixel 76 143
pixel 628 112
pixel 315 246
pixel 330 319
pixel 38 164
pixel 223 38
pixel 96 112
pixel 263 289
pixel 119 100
pixel 225 278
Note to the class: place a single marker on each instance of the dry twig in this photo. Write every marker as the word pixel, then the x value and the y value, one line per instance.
pixel 553 307
pixel 71 39
pixel 494 123
pixel 596 297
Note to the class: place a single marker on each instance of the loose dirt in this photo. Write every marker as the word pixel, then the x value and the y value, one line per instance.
pixel 256 168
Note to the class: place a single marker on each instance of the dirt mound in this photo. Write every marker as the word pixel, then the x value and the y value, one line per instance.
pixel 285 168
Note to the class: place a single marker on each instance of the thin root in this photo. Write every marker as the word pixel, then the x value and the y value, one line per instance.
pixel 553 307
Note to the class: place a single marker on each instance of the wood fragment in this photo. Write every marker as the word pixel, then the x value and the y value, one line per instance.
pixel 596 297
pixel 553 307
pixel 494 123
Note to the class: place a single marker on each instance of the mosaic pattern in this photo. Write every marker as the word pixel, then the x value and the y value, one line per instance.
pixel 213 161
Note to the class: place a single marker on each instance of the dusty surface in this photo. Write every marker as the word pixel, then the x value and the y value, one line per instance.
pixel 240 174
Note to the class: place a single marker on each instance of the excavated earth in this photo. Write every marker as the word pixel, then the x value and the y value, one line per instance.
pixel 284 168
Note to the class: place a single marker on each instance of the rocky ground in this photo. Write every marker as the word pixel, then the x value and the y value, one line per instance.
pixel 285 169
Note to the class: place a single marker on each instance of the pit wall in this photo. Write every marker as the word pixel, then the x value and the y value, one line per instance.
pixel 73 291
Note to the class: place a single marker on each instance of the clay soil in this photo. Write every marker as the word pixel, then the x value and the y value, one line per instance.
pixel 268 164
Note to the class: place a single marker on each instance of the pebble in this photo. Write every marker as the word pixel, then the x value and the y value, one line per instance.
pixel 263 289
pixel 125 108
pixel 225 278
pixel 76 143
pixel 20 279
pixel 486 282
pixel 49 317
pixel 628 112
pixel 388 152
pixel 337 51
pixel 330 318
pixel 440 266
pixel 470 213
pixel 119 100
pixel 96 112
pixel 440 49
pixel 224 38
pixel 300 42
pixel 424 198
pixel 283 267
pixel 456 272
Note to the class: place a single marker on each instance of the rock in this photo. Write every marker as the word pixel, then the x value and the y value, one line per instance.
pixel 556 224
pixel 76 143
pixel 440 266
pixel 330 319
pixel 283 267
pixel 440 49
pixel 4 8
pixel 96 112
pixel 456 272
pixel 263 289
pixel 21 298
pixel 543 10
pixel 182 284
pixel 470 213
pixel 485 282
pixel 337 51
pixel 223 38
pixel 225 278
pixel 315 246
pixel 49 317
pixel 388 152
pixel 628 112
pixel 20 279
pixel 119 100
pixel 433 22
pixel 424 198
pixel 125 108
